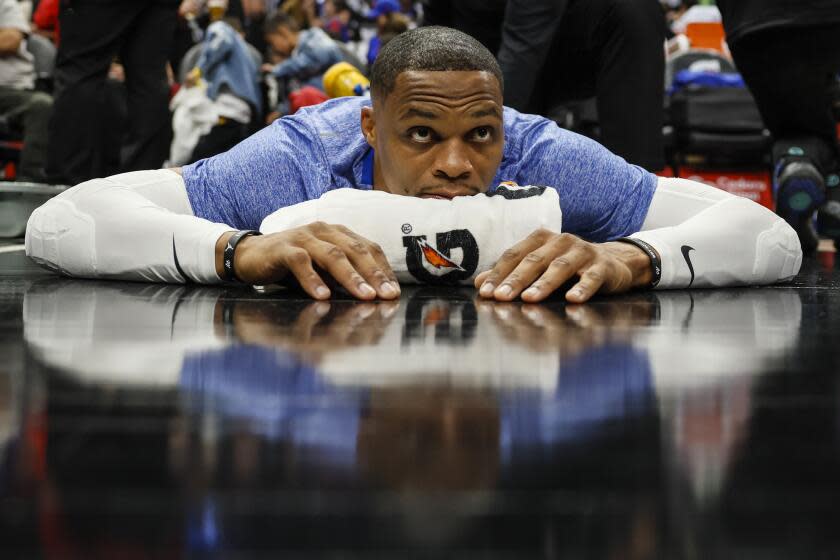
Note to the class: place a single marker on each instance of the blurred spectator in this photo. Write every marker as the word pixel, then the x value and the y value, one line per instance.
pixel 789 57
pixel 22 107
pixel 45 19
pixel 335 20
pixel 555 51
pixel 92 34
pixel 229 68
pixel 390 22
pixel 305 55
pixel 302 12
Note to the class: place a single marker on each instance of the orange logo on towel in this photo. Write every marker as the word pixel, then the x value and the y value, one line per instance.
pixel 434 258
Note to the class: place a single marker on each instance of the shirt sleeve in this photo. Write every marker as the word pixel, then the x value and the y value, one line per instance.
pixel 602 196
pixel 281 165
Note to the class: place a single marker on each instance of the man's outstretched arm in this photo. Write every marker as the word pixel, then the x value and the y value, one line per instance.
pixel 703 236
pixel 140 226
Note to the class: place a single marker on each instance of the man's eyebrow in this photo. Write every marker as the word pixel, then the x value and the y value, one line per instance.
pixel 415 112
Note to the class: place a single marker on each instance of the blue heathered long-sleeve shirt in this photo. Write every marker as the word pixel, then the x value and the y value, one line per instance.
pixel 321 148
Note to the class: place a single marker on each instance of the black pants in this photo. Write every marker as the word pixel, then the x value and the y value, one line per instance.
pixel 610 49
pixel 789 72
pixel 29 111
pixel 93 33
pixel 221 138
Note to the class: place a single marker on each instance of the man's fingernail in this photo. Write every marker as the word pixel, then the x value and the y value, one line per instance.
pixel 388 289
pixel 367 289
pixel 530 292
pixel 577 293
pixel 486 289
pixel 505 290
pixel 322 292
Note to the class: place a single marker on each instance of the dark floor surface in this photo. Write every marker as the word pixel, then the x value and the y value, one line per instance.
pixel 151 421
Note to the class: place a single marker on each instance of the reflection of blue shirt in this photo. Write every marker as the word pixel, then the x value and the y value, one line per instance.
pixel 287 400
pixel 606 384
pixel 283 398
pixel 321 148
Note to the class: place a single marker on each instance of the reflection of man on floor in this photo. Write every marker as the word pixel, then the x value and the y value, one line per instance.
pixel 22 106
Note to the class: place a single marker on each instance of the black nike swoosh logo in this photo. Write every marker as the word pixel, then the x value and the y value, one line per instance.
pixel 178 263
pixel 685 250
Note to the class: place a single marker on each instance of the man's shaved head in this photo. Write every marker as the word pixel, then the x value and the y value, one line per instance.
pixel 429 49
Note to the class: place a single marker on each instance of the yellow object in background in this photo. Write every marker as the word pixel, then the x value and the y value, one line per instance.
pixel 217 9
pixel 345 80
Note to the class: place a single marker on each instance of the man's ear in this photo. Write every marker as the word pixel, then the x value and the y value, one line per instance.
pixel 369 126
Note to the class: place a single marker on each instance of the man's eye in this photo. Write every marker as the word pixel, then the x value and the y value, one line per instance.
pixel 421 134
pixel 483 133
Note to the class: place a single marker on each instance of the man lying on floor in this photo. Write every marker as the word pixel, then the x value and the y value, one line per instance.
pixel 437 134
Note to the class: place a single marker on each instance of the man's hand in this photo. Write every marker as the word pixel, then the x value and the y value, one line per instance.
pixel 545 260
pixel 351 260
pixel 10 40
pixel 189 7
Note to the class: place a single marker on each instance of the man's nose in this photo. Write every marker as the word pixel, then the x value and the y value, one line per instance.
pixel 453 161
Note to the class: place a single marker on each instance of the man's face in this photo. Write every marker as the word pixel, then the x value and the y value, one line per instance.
pixel 282 40
pixel 437 135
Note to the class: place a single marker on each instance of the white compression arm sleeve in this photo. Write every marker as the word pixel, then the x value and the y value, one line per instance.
pixel 134 226
pixel 708 237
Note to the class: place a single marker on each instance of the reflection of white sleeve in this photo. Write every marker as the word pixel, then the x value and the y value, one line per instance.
pixel 708 237
pixel 134 226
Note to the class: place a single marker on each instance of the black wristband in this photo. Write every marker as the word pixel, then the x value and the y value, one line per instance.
pixel 655 263
pixel 230 251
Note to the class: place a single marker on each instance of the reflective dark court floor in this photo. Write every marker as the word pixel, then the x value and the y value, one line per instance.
pixel 152 421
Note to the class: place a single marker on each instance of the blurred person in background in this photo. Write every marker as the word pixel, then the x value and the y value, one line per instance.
pixel 390 22
pixel 229 68
pixel 92 34
pixel 789 56
pixel 304 55
pixel 45 19
pixel 554 51
pixel 336 18
pixel 22 106
pixel 303 12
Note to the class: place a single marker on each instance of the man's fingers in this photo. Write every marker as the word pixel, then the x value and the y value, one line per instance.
pixel 479 280
pixel 559 270
pixel 590 282
pixel 299 263
pixel 368 259
pixel 334 260
pixel 536 264
pixel 507 263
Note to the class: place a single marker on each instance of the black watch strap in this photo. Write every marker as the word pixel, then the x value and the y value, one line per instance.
pixel 230 252
pixel 655 263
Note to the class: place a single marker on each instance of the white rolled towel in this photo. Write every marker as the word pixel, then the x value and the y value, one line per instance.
pixel 434 241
